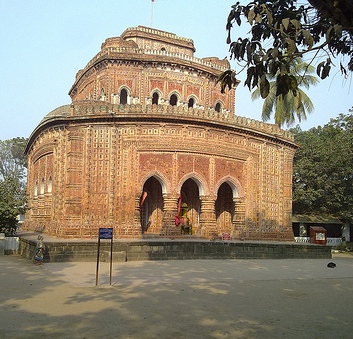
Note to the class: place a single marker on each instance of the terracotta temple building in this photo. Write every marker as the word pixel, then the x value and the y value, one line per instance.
pixel 150 146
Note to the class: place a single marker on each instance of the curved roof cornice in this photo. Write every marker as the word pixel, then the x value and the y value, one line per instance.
pixel 133 55
pixel 89 111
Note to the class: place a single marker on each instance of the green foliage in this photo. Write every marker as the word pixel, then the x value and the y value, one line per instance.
pixel 280 32
pixel 323 169
pixel 12 158
pixel 12 202
pixel 295 104
pixel 12 182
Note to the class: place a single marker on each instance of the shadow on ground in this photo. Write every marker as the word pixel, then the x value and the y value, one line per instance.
pixel 174 300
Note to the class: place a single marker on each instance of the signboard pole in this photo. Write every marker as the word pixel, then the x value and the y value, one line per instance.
pixel 99 245
pixel 111 260
pixel 105 233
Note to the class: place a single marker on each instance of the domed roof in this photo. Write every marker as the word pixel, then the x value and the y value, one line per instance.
pixel 62 111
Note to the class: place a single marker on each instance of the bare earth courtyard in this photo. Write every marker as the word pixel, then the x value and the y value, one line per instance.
pixel 292 298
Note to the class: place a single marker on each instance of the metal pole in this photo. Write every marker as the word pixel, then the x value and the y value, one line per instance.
pixel 111 260
pixel 99 243
pixel 152 13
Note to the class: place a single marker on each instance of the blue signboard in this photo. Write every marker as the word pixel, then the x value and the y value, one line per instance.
pixel 105 233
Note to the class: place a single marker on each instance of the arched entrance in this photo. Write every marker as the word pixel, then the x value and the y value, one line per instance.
pixel 224 207
pixel 155 98
pixel 173 100
pixel 123 96
pixel 189 205
pixel 151 207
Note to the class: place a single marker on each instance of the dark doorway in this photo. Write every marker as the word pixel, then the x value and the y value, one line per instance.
pixel 224 208
pixel 155 98
pixel 189 207
pixel 191 103
pixel 173 100
pixel 123 96
pixel 151 207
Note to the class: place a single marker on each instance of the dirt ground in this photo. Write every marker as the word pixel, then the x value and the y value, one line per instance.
pixel 178 299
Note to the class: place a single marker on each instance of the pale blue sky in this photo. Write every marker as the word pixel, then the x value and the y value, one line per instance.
pixel 45 42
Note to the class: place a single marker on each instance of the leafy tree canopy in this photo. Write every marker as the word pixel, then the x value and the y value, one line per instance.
pixel 12 182
pixel 283 30
pixel 323 169
pixel 287 109
pixel 12 203
pixel 12 158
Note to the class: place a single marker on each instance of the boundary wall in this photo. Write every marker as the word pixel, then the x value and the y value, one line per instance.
pixel 164 249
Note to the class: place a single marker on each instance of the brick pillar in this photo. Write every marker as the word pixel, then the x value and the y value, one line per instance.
pixel 239 231
pixel 208 217
pixel 170 210
pixel 137 216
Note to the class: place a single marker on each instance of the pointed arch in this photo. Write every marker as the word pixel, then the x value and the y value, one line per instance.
pixel 156 96
pixel 165 184
pixel 154 187
pixel 124 95
pixel 174 98
pixel 199 180
pixel 224 208
pixel 192 101
pixel 189 207
pixel 234 184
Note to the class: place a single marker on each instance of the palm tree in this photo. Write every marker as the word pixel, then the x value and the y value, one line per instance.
pixel 295 104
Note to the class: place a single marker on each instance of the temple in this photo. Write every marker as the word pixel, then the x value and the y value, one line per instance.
pixel 150 146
